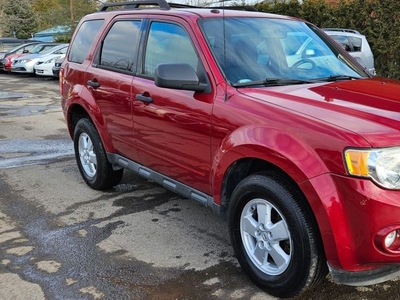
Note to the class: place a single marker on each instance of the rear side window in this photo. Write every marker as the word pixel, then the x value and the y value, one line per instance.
pixel 350 44
pixel 4 47
pixel 120 46
pixel 83 39
pixel 343 41
pixel 356 43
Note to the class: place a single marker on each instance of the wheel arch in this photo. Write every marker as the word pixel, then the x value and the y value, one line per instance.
pixel 79 108
pixel 233 163
pixel 254 149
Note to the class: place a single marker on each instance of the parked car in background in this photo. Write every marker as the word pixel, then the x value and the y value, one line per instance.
pixel 21 49
pixel 9 43
pixel 38 48
pixel 57 66
pixel 25 64
pixel 44 66
pixel 24 48
pixel 356 44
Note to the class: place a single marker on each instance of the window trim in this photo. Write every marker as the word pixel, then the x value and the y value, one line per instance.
pixel 68 56
pixel 99 51
pixel 145 38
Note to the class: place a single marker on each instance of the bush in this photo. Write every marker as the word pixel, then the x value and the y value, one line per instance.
pixel 378 20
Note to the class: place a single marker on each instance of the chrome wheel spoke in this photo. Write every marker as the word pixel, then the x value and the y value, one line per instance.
pixel 265 236
pixel 279 256
pixel 250 225
pixel 279 231
pixel 260 254
pixel 87 155
pixel 93 158
pixel 263 213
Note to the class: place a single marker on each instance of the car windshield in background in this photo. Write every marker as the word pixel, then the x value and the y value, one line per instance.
pixel 277 51
pixel 41 48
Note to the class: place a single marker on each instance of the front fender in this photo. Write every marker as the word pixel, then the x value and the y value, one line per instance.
pixel 292 156
pixel 277 147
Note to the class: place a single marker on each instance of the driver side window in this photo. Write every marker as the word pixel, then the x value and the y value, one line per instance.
pixel 168 43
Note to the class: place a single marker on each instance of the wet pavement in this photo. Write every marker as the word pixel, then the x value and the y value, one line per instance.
pixel 61 240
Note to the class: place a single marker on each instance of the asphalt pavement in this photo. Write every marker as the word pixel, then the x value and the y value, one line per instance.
pixel 61 240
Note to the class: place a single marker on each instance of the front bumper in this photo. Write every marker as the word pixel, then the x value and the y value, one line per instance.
pixel 56 71
pixel 367 277
pixel 43 70
pixel 351 212
pixel 22 68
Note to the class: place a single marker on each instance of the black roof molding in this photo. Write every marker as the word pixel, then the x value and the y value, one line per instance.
pixel 162 4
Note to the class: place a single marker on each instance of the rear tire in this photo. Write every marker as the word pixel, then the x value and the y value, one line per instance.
pixel 91 157
pixel 274 235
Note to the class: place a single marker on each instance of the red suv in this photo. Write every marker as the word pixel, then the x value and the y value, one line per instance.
pixel 298 150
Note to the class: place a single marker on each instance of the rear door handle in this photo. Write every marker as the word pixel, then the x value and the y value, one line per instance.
pixel 94 83
pixel 143 98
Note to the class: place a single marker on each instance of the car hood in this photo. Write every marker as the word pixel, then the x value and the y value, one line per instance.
pixel 31 56
pixel 15 56
pixel 50 56
pixel 368 107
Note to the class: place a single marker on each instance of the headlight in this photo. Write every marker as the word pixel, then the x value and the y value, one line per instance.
pixel 22 61
pixel 381 165
pixel 52 60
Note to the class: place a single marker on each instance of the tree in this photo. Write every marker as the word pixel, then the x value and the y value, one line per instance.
pixel 19 19
pixel 48 12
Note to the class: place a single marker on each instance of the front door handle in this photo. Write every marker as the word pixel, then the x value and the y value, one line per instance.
pixel 94 83
pixel 143 98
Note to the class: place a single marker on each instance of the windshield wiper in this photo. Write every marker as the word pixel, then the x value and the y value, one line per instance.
pixel 272 82
pixel 337 78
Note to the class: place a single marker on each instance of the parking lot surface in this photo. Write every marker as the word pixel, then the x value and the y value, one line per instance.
pixel 61 240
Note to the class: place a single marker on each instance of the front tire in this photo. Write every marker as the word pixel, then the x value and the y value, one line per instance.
pixel 91 157
pixel 274 235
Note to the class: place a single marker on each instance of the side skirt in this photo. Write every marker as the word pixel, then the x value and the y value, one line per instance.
pixel 167 182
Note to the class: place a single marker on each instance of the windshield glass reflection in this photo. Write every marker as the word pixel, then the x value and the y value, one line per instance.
pixel 253 51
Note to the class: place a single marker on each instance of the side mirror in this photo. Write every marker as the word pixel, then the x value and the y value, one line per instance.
pixel 25 51
pixel 310 52
pixel 178 76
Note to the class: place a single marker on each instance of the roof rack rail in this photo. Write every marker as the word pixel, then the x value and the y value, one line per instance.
pixel 162 4
pixel 239 7
pixel 342 30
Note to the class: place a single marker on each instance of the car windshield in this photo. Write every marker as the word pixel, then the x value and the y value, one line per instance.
pixel 40 48
pixel 266 51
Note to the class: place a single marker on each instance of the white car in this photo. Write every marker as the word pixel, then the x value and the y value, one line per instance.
pixel 44 66
pixel 356 44
pixel 26 63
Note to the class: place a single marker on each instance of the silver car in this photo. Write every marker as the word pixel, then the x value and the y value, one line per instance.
pixel 356 44
pixel 25 64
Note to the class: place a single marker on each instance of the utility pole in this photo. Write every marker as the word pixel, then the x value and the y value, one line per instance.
pixel 71 7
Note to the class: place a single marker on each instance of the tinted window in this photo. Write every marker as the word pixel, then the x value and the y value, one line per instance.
pixel 83 39
pixel 41 48
pixel 356 43
pixel 4 47
pixel 343 41
pixel 25 49
pixel 46 49
pixel 119 46
pixel 168 43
